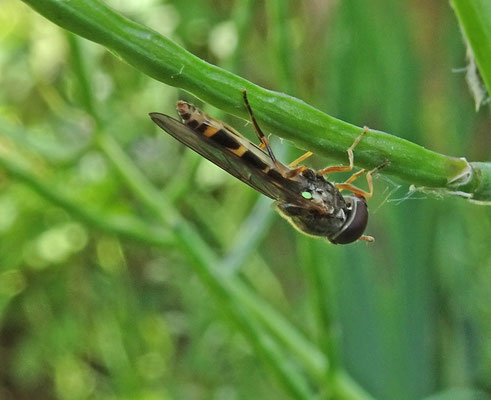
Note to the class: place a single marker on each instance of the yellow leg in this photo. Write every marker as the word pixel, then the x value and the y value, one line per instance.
pixel 355 175
pixel 300 159
pixel 294 172
pixel 344 168
pixel 298 170
pixel 348 186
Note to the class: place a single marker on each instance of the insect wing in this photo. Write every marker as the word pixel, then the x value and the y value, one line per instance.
pixel 271 184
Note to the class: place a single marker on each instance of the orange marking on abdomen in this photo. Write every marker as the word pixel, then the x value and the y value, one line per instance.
pixel 210 131
pixel 240 151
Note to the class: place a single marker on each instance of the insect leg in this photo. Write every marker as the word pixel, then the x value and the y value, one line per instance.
pixel 294 172
pixel 300 159
pixel 356 190
pixel 366 238
pixel 355 175
pixel 262 137
pixel 352 188
pixel 297 171
pixel 344 168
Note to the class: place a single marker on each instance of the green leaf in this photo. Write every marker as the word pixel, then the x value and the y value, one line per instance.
pixel 475 19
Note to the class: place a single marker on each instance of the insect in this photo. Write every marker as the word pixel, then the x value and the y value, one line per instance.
pixel 303 196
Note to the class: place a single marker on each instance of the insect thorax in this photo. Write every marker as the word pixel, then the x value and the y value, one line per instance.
pixel 325 220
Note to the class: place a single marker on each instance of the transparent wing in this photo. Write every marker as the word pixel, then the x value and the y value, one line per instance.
pixel 271 184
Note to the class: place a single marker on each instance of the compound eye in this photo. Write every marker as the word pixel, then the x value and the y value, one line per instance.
pixel 355 224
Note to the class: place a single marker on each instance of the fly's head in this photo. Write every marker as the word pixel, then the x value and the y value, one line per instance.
pixel 355 222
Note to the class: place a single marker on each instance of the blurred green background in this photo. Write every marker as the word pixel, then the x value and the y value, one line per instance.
pixel 86 313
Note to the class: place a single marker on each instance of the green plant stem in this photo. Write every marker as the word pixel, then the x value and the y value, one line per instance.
pixel 124 226
pixel 320 290
pixel 475 19
pixel 229 295
pixel 249 236
pixel 345 388
pixel 483 169
pixel 286 116
pixel 55 152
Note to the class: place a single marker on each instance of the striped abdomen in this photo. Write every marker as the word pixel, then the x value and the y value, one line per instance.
pixel 222 135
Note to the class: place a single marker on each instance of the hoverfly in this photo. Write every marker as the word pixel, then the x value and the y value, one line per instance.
pixel 309 202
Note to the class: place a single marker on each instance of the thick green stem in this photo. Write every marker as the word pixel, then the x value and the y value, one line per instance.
pixel 286 116
pixel 483 169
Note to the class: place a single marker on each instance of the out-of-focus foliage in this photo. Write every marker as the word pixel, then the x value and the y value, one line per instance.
pixel 88 314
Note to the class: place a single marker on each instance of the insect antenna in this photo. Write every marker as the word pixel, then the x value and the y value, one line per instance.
pixel 262 137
